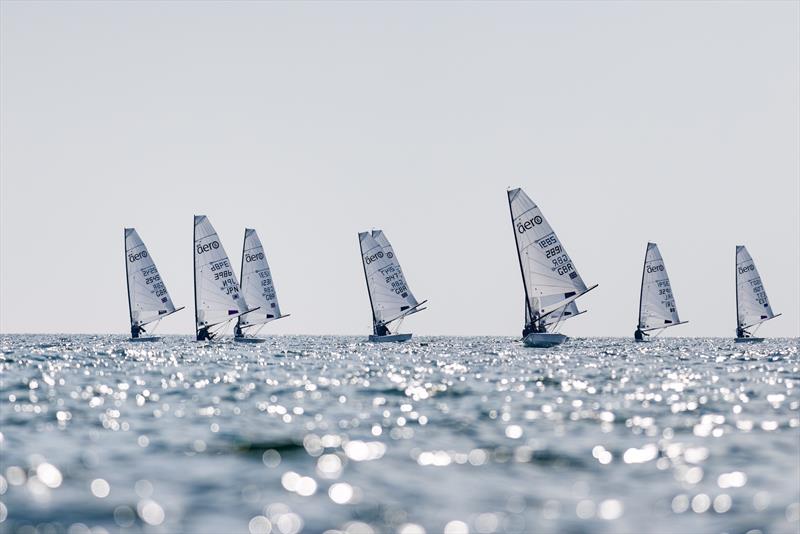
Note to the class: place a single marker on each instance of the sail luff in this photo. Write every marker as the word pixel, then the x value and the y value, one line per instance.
pixel 366 281
pixel 640 325
pixel 127 273
pixel 528 314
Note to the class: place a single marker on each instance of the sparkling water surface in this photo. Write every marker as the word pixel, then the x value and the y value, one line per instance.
pixel 455 435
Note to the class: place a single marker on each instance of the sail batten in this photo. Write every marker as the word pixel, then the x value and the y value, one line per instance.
pixel 217 295
pixel 257 284
pixel 148 298
pixel 657 308
pixel 549 276
pixel 752 304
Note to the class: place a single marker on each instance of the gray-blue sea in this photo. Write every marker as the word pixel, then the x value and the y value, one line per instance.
pixel 440 434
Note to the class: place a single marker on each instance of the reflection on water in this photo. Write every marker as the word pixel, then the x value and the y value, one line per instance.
pixel 454 435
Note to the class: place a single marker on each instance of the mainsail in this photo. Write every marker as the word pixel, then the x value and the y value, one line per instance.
pixel 257 286
pixel 551 281
pixel 657 307
pixel 216 291
pixel 752 305
pixel 148 298
pixel 390 296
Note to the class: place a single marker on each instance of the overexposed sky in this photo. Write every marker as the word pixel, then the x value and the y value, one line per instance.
pixel 627 122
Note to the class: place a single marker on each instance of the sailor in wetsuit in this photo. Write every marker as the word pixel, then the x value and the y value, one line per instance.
pixel 529 329
pixel 381 330
pixel 237 331
pixel 136 330
pixel 741 332
pixel 204 335
pixel 639 334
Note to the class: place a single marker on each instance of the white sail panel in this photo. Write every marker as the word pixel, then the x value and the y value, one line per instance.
pixel 217 296
pixel 389 292
pixel 657 307
pixel 549 275
pixel 567 312
pixel 147 294
pixel 752 304
pixel 257 286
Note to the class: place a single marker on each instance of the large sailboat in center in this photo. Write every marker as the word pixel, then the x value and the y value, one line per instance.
pixel 752 305
pixel 389 295
pixel 657 308
pixel 217 299
pixel 549 277
pixel 258 290
pixel 148 298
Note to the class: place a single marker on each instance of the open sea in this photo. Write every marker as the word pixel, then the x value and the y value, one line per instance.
pixel 438 435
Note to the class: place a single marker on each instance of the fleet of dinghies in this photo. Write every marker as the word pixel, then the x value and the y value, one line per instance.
pixel 550 281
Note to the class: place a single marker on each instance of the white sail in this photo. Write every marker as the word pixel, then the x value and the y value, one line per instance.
pixel 389 293
pixel 147 295
pixel 257 286
pixel 752 305
pixel 567 312
pixel 550 277
pixel 217 296
pixel 657 307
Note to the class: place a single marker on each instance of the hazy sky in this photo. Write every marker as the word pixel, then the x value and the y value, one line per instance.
pixel 677 123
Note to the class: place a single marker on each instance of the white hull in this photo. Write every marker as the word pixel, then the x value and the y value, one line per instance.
pixel 249 340
pixel 392 338
pixel 144 339
pixel 544 340
pixel 749 339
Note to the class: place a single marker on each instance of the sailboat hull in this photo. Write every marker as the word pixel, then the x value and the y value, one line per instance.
pixel 249 340
pixel 543 340
pixel 144 339
pixel 749 339
pixel 393 338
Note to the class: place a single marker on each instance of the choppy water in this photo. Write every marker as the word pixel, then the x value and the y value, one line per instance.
pixel 307 434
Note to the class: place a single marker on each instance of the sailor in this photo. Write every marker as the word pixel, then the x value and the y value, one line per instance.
pixel 741 332
pixel 639 334
pixel 381 330
pixel 204 335
pixel 136 330
pixel 237 331
pixel 529 329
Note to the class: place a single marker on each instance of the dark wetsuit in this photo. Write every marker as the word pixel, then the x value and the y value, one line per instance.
pixel 204 335
pixel 740 332
pixel 237 331
pixel 639 335
pixel 136 330
pixel 529 329
pixel 381 330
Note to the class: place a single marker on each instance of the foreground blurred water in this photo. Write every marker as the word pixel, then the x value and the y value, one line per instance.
pixel 308 434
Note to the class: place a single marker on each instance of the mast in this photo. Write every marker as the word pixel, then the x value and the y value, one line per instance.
pixel 519 258
pixel 736 286
pixel 194 272
pixel 127 275
pixel 641 287
pixel 241 277
pixel 372 307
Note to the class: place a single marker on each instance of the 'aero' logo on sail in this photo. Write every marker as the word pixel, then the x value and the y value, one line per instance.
pixel 207 247
pixel 743 270
pixel 527 225
pixel 655 269
pixel 133 257
pixel 374 257
pixel 253 257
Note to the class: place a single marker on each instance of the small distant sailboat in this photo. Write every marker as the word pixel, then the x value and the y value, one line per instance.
pixel 148 298
pixel 389 294
pixel 551 282
pixel 258 290
pixel 657 308
pixel 752 305
pixel 217 298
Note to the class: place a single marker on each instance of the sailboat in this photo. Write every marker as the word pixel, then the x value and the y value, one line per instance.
pixel 389 294
pixel 217 298
pixel 657 308
pixel 148 298
pixel 549 277
pixel 752 305
pixel 258 290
